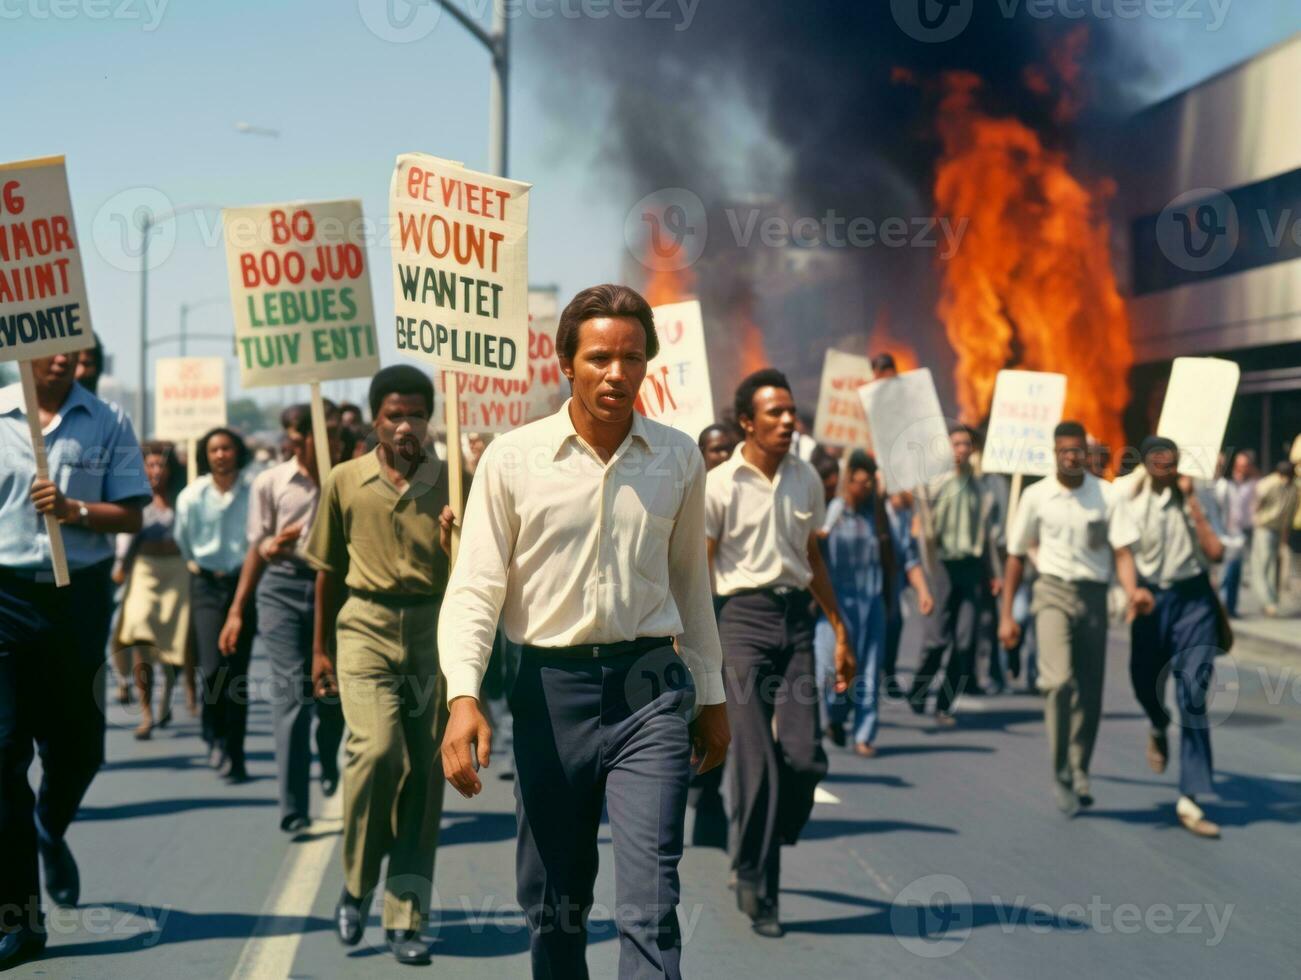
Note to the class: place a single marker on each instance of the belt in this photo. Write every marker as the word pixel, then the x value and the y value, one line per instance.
pixel 776 591
pixel 1193 584
pixel 292 570
pixel 213 576
pixel 1076 583
pixel 396 600
pixel 601 651
pixel 45 576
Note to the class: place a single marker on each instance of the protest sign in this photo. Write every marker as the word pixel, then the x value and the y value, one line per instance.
pixel 489 404
pixel 1026 408
pixel 300 290
pixel 189 396
pixel 909 432
pixel 460 267
pixel 1196 411
pixel 676 390
pixel 43 306
pixel 840 420
pixel 189 401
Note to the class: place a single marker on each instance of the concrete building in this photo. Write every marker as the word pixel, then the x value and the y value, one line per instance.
pixel 1210 242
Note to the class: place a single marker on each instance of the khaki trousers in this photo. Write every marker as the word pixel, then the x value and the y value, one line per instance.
pixel 1071 628
pixel 394 704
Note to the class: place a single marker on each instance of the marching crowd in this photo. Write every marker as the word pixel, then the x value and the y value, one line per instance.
pixel 663 623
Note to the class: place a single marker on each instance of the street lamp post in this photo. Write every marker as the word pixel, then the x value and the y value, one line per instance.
pixel 148 222
pixel 187 308
pixel 497 41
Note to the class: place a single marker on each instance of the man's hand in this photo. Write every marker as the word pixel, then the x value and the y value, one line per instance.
pixel 1186 487
pixel 925 602
pixel 467 731
pixel 1141 602
pixel 1009 632
pixel 995 587
pixel 846 663
pixel 324 682
pixel 710 737
pixel 446 521
pixel 228 638
pixel 282 544
pixel 50 500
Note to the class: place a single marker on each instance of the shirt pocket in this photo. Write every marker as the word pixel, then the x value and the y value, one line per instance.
pixel 642 535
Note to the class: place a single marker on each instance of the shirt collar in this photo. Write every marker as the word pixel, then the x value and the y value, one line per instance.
pixel 371 471
pixel 739 463
pixel 11 399
pixel 560 429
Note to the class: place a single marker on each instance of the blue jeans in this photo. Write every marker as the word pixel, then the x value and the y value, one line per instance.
pixel 1231 580
pixel 866 625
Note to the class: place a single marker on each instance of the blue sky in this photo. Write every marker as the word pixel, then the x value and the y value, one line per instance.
pixel 145 107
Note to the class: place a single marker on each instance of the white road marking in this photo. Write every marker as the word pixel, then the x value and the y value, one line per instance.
pixel 820 795
pixel 270 954
pixel 877 880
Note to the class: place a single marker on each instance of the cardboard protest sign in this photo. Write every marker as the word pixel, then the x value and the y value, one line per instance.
pixel 43 306
pixel 676 390
pixel 1027 407
pixel 300 289
pixel 840 420
pixel 189 396
pixel 460 267
pixel 909 432
pixel 489 404
pixel 1196 411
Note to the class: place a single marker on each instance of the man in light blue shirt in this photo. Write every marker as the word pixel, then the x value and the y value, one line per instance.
pixel 52 639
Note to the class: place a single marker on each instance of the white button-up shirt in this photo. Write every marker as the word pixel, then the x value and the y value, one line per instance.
pixel 566 549
pixel 1075 530
pixel 761 527
pixel 1167 550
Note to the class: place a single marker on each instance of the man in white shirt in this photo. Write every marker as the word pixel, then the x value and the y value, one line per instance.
pixel 1077 529
pixel 1179 538
pixel 585 535
pixel 763 510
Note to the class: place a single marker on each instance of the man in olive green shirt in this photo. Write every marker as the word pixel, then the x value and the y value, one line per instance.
pixel 377 533
pixel 959 580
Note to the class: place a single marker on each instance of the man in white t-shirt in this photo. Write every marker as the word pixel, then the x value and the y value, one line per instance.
pixel 1077 529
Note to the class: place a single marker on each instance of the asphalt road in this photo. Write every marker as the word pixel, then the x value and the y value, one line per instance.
pixel 943 857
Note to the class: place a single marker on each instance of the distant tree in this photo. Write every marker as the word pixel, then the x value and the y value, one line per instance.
pixel 246 416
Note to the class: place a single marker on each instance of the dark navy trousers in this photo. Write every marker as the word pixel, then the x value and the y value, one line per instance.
pixel 51 699
pixel 587 733
pixel 1179 637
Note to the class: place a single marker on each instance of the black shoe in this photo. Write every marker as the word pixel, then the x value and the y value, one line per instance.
pixel 917 704
pixel 21 945
pixel 329 783
pixel 836 732
pixel 768 926
pixel 1067 801
pixel 1085 798
pixel 62 880
pixel 893 688
pixel 407 946
pixel 236 774
pixel 975 690
pixel 294 823
pixel 349 919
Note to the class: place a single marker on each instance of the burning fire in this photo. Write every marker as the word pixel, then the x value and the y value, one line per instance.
pixel 883 341
pixel 669 286
pixel 1031 284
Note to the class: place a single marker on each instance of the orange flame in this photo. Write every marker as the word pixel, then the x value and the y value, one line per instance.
pixel 668 286
pixel 883 341
pixel 1031 284
pixel 752 352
